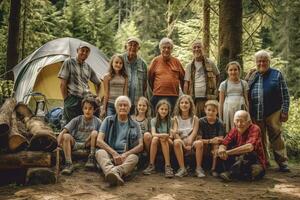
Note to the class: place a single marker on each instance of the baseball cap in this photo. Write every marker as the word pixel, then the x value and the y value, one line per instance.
pixel 134 39
pixel 84 44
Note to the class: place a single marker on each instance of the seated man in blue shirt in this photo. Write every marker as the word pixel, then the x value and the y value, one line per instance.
pixel 120 139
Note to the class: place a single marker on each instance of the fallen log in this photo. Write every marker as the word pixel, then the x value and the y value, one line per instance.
pixel 5 115
pixel 25 159
pixel 43 137
pixel 16 141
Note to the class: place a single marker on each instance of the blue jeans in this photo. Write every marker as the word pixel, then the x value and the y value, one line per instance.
pixel 111 110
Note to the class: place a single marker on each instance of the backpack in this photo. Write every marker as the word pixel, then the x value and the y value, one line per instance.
pixel 53 117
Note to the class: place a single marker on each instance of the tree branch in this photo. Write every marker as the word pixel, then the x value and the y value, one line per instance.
pixel 259 6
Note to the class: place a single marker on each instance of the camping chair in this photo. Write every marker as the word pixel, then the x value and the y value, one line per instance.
pixel 41 101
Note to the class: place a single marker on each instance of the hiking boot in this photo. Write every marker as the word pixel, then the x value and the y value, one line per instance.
pixel 225 176
pixel 68 170
pixel 168 171
pixel 283 167
pixel 199 172
pixel 214 173
pixel 256 170
pixel 181 172
pixel 149 170
pixel 114 179
pixel 90 164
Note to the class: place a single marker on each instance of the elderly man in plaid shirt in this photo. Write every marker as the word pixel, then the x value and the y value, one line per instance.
pixel 269 106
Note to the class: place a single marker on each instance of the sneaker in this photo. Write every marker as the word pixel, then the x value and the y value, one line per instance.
pixel 168 171
pixel 225 176
pixel 114 179
pixel 149 170
pixel 68 170
pixel 214 173
pixel 283 167
pixel 181 172
pixel 90 164
pixel 199 172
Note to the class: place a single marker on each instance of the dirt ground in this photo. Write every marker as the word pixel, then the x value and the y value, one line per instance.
pixel 91 185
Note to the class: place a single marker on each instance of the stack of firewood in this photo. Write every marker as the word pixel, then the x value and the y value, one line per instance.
pixel 26 143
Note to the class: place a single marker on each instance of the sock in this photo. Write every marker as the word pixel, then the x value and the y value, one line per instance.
pixel 93 150
pixel 68 160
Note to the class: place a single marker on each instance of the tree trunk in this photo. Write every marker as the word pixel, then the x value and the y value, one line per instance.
pixel 25 159
pixel 24 29
pixel 13 36
pixel 206 26
pixel 230 33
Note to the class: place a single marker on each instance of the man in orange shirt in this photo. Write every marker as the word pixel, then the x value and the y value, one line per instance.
pixel 165 75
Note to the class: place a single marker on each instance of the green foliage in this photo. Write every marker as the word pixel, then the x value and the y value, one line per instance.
pixel 4 13
pixel 92 22
pixel 292 129
pixel 41 23
pixel 6 90
pixel 286 42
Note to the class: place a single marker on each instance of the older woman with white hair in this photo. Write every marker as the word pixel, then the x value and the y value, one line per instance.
pixel 269 106
pixel 165 75
pixel 120 140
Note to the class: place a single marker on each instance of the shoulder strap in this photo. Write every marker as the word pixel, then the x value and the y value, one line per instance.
pixel 193 68
pixel 243 88
pixel 225 87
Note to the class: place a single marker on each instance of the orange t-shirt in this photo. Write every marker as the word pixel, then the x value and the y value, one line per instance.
pixel 165 77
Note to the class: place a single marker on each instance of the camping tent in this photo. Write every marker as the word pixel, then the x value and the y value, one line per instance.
pixel 38 72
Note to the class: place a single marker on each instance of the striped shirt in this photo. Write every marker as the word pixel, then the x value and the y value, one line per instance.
pixel 268 94
pixel 77 76
pixel 116 88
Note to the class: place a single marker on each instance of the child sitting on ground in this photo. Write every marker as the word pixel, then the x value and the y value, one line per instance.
pixel 211 133
pixel 185 128
pixel 160 129
pixel 142 116
pixel 80 133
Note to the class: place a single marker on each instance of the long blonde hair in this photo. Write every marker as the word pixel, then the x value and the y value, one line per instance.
pixel 177 110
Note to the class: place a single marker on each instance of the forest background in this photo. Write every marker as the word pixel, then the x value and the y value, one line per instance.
pixel 240 27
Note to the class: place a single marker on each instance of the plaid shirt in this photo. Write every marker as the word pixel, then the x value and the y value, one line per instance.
pixel 78 76
pixel 137 77
pixel 268 93
pixel 252 136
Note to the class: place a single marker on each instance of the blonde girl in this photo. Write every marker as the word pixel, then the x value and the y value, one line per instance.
pixel 185 129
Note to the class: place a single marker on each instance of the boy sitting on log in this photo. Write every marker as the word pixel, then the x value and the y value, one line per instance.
pixel 80 133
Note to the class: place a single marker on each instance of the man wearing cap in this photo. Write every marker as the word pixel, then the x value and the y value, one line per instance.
pixel 136 69
pixel 201 79
pixel 74 75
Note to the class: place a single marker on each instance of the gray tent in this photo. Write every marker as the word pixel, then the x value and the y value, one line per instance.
pixel 38 72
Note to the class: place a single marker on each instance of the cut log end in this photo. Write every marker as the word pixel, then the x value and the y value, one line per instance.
pixel 4 129
pixel 36 176
pixel 17 142
pixel 43 142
